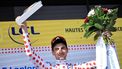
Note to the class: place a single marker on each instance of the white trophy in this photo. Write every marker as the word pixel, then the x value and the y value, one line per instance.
pixel 28 12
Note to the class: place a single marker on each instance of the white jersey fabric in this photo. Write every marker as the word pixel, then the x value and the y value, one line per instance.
pixel 59 64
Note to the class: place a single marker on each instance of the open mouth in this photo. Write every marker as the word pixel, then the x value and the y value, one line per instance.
pixel 61 58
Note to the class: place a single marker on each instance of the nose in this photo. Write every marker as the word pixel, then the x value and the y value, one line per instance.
pixel 60 51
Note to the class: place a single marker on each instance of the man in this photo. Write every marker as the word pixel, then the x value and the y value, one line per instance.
pixel 59 50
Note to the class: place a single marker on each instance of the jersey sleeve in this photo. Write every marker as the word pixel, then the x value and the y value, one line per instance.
pixel 36 59
pixel 87 65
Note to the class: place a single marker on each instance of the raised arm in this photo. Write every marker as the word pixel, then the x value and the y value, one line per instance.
pixel 37 60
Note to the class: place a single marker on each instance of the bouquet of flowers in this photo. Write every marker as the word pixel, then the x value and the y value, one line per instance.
pixel 100 21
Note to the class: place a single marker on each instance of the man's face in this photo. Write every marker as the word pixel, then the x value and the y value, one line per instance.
pixel 60 51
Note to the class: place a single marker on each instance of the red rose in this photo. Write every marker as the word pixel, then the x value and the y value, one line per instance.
pixel 105 10
pixel 86 20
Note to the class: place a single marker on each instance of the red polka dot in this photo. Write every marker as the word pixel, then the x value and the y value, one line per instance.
pixel 24 42
pixel 27 36
pixel 26 46
pixel 28 50
pixel 37 61
pixel 58 64
pixel 41 59
pixel 35 54
pixel 38 56
pixel 72 48
pixel 79 68
pixel 21 48
pixel 74 64
pixel 87 68
pixel 50 67
pixel 94 63
pixel 33 58
pixel 43 66
pixel 30 55
pixel 46 68
pixel 50 64
pixel 40 63
pixel 36 50
pixel 90 64
pixel 28 40
pixel 92 68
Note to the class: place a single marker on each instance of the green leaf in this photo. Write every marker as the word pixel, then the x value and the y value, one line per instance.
pixel 96 36
pixel 98 26
pixel 105 40
pixel 112 22
pixel 113 14
pixel 87 34
pixel 115 11
pixel 93 28
pixel 113 29
pixel 100 22
pixel 98 11
pixel 82 25
pixel 110 25
pixel 87 27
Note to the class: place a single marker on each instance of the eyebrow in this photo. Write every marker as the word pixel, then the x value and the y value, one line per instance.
pixel 61 47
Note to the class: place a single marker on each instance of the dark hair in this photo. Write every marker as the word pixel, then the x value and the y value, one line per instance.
pixel 57 40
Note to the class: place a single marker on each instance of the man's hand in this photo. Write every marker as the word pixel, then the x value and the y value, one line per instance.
pixel 23 26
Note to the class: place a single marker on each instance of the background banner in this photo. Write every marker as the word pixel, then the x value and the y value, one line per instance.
pixel 12 54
